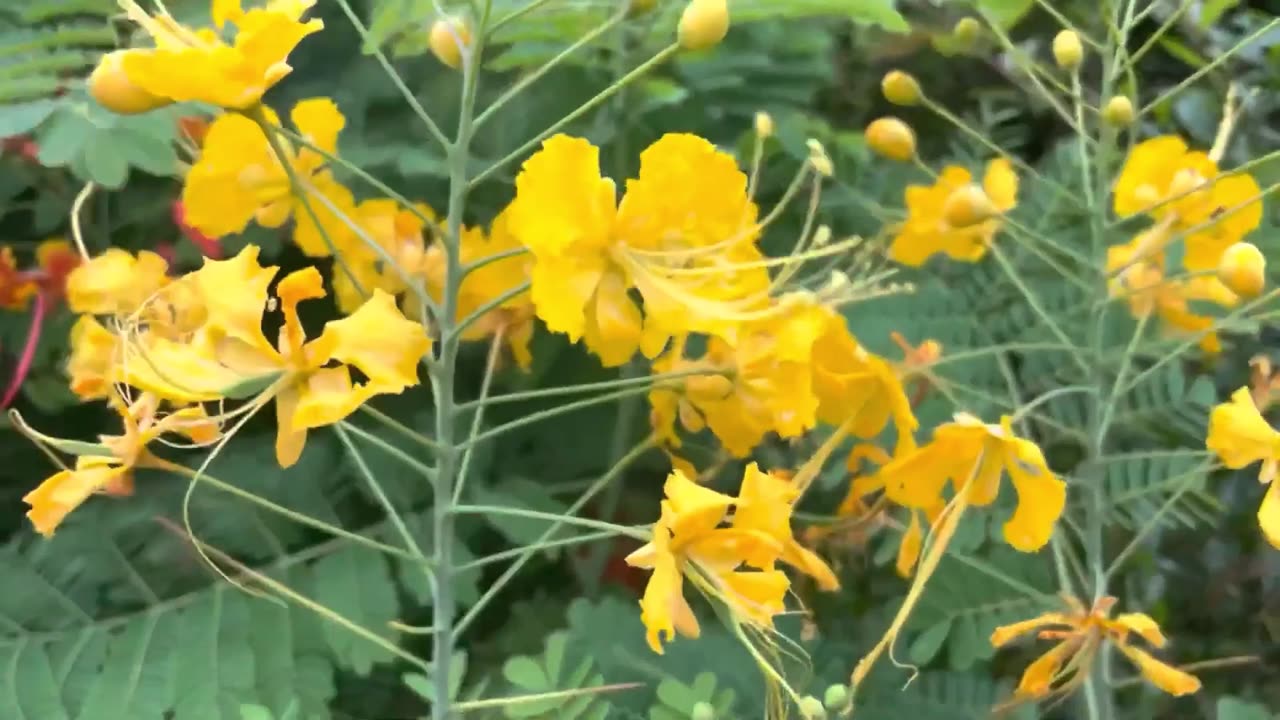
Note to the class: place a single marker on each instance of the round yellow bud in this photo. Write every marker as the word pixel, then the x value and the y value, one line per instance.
pixel 703 24
pixel 449 37
pixel 968 205
pixel 764 125
pixel 900 88
pixel 966 31
pixel 891 138
pixel 1067 50
pixel 1243 269
pixel 1118 111
pixel 111 87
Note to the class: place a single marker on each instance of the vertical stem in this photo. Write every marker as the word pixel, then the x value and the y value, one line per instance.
pixel 443 372
pixel 1096 180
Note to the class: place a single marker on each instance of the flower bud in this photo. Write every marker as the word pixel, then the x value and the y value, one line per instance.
pixel 819 158
pixel 837 698
pixel 111 87
pixel 811 708
pixel 900 88
pixel 702 711
pixel 703 24
pixel 891 138
pixel 764 125
pixel 1067 50
pixel 1118 111
pixel 968 205
pixel 1243 269
pixel 966 31
pixel 449 37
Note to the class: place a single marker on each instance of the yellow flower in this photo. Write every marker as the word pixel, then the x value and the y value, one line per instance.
pixel 116 283
pixel 927 231
pixel 95 358
pixel 855 385
pixel 682 236
pixel 1182 189
pixel 974 456
pixel 112 472
pixel 514 317
pixel 735 564
pixel 863 485
pixel 763 385
pixel 399 233
pixel 238 178
pixel 764 504
pixel 1240 436
pixel 197 65
pixel 1080 633
pixel 310 380
pixel 1140 275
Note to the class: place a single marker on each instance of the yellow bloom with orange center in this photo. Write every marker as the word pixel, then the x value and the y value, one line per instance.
pixel 1240 436
pixel 238 179
pixel 735 564
pixel 683 236
pixel 515 316
pixel 111 473
pixel 198 65
pixel 1184 191
pixel 310 381
pixel 1081 633
pixel 955 216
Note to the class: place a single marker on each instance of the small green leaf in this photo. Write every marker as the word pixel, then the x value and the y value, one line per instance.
pixel 926 645
pixel 525 672
pixel 1212 10
pixel 103 162
pixel 1005 13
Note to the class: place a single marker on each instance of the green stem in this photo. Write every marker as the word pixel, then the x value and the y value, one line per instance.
pixel 538 547
pixel 529 551
pixel 488 306
pixel 376 488
pixel 299 189
pixel 592 567
pixel 556 518
pixel 647 381
pixel 524 82
pixel 300 518
pixel 585 108
pixel 443 374
pixel 477 415
pixel 400 427
pixel 553 412
pixel 422 469
pixel 405 92
pixel 471 267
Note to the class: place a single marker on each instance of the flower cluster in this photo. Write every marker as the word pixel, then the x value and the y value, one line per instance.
pixel 1197 212
pixel 173 345
pixel 734 562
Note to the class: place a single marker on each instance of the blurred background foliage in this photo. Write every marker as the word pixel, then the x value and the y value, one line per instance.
pixel 116 618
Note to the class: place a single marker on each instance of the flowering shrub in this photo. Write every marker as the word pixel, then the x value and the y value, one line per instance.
pixel 565 360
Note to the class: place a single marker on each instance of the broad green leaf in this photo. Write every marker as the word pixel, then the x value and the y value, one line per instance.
pixel 927 643
pixel 1230 708
pixel 20 118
